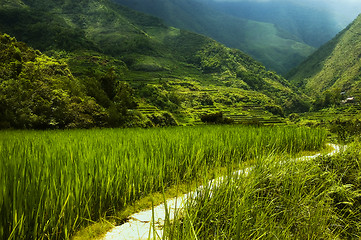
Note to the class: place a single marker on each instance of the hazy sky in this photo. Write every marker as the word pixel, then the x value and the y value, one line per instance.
pixel 344 11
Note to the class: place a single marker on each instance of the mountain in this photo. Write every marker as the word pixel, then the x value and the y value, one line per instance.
pixel 312 25
pixel 138 71
pixel 335 68
pixel 275 47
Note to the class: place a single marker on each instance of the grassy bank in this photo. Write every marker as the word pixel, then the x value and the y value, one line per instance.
pixel 54 182
pixel 316 199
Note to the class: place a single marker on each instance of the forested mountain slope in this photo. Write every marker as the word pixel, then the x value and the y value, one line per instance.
pixel 335 67
pixel 276 48
pixel 138 71
pixel 311 25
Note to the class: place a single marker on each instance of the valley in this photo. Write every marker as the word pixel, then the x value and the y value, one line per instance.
pixel 181 74
pixel 111 107
pixel 278 49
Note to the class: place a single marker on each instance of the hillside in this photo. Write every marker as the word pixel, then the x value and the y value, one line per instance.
pixel 335 68
pixel 143 73
pixel 311 25
pixel 274 47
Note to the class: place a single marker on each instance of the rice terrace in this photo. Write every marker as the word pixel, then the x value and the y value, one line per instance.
pixel 180 119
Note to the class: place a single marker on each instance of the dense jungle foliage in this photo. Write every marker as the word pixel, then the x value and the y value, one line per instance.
pixel 40 92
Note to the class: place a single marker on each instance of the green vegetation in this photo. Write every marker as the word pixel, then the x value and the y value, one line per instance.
pixel 342 122
pixel 103 65
pixel 54 182
pixel 130 70
pixel 315 199
pixel 311 25
pixel 331 77
pixel 40 92
pixel 277 49
pixel 335 67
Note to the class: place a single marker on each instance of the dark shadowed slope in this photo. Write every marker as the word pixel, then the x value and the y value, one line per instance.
pixel 277 49
pixel 309 24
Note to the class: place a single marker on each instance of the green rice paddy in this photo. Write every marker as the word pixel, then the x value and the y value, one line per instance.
pixel 52 183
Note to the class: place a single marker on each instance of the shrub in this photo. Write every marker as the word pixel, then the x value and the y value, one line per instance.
pixel 163 119
pixel 216 118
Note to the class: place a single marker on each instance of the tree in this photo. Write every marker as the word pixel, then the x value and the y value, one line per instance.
pixel 40 92
pixel 123 101
pixel 108 83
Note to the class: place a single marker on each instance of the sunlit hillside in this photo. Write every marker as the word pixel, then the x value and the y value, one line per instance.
pixel 145 73
pixel 335 67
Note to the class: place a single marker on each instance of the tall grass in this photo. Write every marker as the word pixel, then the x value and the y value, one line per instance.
pixel 54 182
pixel 316 199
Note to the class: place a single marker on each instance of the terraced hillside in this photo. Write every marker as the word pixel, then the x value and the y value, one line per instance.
pixel 128 62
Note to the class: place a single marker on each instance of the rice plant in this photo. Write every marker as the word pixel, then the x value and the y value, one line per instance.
pixel 54 182
pixel 316 199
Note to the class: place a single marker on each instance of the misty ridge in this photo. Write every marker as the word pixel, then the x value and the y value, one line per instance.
pixel 343 12
pixel 278 33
